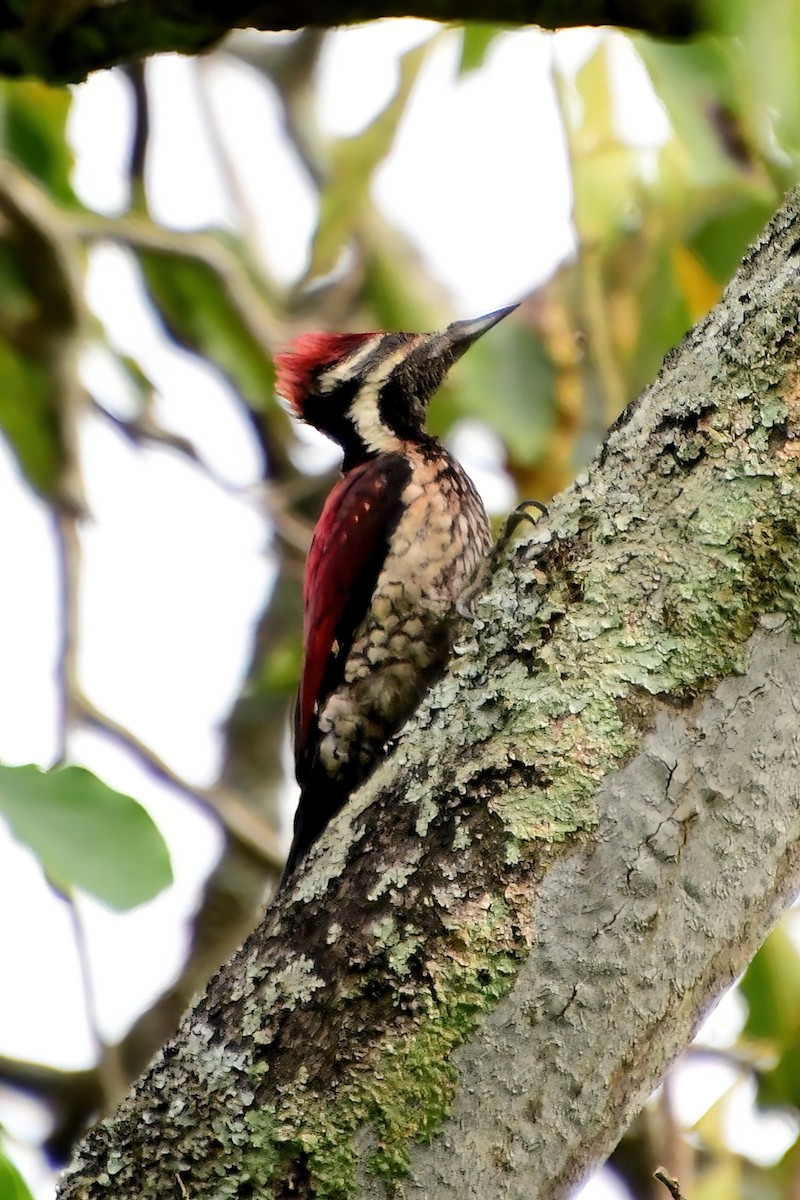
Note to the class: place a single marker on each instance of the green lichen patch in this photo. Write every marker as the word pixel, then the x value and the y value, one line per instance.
pixel 648 584
pixel 529 817
pixel 401 1090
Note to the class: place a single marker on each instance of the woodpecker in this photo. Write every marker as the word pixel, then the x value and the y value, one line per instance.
pixel 401 538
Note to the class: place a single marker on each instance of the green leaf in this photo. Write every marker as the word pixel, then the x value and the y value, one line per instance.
pixel 772 29
pixel 606 171
pixel 27 417
pixel 720 242
pixel 85 834
pixel 199 313
pixel 658 305
pixel 34 126
pixel 12 1185
pixel 476 39
pixel 693 82
pixel 345 202
pixel 771 986
pixel 28 414
pixel 395 291
pixel 719 146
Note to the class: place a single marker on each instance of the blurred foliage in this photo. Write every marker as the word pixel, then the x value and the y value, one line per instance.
pixel 34 119
pixel 12 1185
pixel 345 202
pixel 198 311
pixel 658 229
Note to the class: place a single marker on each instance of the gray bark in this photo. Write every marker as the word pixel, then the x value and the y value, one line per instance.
pixel 508 935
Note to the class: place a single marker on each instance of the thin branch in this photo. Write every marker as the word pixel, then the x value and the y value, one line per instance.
pixel 137 160
pixel 141 431
pixel 670 1184
pixel 600 409
pixel 290 67
pixel 140 234
pixel 233 893
pixel 111 1077
pixel 111 1080
pixel 246 217
pixel 68 571
pixel 240 821
pixel 737 1060
pixel 42 39
pixel 294 531
pixel 675 1147
pixel 71 1098
pixel 68 397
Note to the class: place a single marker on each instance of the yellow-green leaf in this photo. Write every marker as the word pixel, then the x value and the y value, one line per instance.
pixel 354 160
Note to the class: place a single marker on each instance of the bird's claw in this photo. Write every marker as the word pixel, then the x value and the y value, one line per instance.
pixel 515 518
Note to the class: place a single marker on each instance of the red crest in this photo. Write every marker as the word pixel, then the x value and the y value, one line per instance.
pixel 305 355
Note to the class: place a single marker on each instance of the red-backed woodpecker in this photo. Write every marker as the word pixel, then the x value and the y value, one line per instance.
pixel 401 538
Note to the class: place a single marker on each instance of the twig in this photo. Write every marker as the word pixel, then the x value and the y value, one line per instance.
pixel 247 220
pixel 737 1060
pixel 49 238
pixel 240 821
pixel 294 531
pixel 291 529
pixel 290 69
pixel 68 555
pixel 669 1183
pixel 675 1146
pixel 142 431
pixel 140 234
pixel 596 309
pixel 71 1097
pixel 68 397
pixel 137 161
pixel 51 233
pixel 112 1079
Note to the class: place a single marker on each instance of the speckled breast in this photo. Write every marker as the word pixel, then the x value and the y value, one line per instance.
pixel 404 640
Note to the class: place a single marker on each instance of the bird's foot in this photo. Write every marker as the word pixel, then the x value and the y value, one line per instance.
pixel 521 513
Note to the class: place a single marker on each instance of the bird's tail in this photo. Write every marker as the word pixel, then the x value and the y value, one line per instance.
pixel 321 797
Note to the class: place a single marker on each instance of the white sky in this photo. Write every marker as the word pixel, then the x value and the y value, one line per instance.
pixel 176 567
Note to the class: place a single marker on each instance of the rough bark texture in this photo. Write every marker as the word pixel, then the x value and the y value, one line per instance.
pixel 63 40
pixel 506 938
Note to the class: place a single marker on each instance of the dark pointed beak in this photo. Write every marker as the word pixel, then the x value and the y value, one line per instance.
pixel 457 338
pixel 463 333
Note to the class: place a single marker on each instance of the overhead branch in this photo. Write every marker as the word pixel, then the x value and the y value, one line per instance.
pixel 63 42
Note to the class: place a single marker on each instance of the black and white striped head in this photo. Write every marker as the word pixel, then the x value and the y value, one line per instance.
pixel 370 391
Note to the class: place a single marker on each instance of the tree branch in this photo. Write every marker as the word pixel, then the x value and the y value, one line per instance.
pixel 62 41
pixel 502 943
pixel 672 1185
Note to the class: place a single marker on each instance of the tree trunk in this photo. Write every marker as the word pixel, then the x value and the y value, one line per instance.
pixel 505 939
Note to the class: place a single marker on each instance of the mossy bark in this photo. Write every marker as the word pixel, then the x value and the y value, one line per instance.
pixel 504 940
